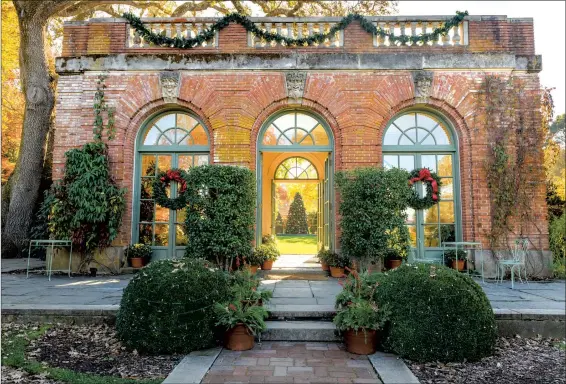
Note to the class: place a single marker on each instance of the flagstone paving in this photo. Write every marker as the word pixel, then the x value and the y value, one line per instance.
pixel 284 362
pixel 107 290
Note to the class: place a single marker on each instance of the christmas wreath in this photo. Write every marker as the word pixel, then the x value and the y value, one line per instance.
pixel 432 182
pixel 160 185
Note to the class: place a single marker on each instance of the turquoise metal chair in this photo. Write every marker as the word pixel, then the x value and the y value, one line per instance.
pixel 517 261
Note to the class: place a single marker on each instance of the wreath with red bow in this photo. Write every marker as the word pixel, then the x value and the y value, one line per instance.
pixel 160 185
pixel 432 182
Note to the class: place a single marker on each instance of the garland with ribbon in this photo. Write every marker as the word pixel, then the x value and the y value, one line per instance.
pixel 209 33
pixel 432 182
pixel 161 183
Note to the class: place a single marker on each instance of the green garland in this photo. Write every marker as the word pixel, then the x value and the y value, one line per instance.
pixel 209 33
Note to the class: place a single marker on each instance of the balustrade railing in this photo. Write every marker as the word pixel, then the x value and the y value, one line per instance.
pixel 305 27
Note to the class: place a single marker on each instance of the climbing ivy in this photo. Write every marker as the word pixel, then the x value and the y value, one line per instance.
pixel 100 107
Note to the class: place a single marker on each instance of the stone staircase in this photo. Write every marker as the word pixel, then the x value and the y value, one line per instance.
pixel 302 306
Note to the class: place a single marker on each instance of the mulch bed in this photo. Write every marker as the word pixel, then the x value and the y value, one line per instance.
pixel 94 349
pixel 516 361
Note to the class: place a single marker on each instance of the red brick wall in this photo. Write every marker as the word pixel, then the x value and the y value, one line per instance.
pixel 234 105
pixel 484 36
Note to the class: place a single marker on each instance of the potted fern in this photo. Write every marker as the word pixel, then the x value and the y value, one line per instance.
pixel 242 322
pixel 337 263
pixel 244 287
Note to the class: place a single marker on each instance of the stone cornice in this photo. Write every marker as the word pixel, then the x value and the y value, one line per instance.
pixel 299 61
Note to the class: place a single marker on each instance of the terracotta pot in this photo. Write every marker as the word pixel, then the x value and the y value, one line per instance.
pixel 324 266
pixel 361 343
pixel 267 265
pixel 460 266
pixel 253 269
pixel 392 264
pixel 336 272
pixel 136 262
pixel 238 338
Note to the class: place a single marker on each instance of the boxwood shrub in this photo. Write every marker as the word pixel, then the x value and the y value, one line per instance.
pixel 436 314
pixel 168 307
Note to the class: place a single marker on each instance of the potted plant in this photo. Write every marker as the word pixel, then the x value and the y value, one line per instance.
pixel 393 258
pixel 242 323
pixel 138 255
pixel 268 252
pixel 244 287
pixel 357 315
pixel 254 260
pixel 323 256
pixel 337 263
pixel 360 322
pixel 450 258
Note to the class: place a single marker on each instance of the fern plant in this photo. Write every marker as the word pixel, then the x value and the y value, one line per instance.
pixel 235 313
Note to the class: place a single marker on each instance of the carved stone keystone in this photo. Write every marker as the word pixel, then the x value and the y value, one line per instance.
pixel 422 84
pixel 170 82
pixel 295 83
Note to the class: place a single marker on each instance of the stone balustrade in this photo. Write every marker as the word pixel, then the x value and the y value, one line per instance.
pixel 189 28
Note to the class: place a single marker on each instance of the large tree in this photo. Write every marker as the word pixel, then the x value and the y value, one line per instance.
pixel 38 82
pixel 297 223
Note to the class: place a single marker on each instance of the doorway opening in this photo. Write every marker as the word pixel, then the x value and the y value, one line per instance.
pixel 294 177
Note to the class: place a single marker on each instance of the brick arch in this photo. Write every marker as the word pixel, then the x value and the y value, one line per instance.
pixel 131 131
pixel 309 105
pixel 465 151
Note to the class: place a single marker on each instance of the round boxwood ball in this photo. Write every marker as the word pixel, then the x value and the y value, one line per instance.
pixel 437 314
pixel 168 307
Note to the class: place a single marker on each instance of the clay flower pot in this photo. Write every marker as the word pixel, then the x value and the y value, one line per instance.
pixel 336 272
pixel 459 266
pixel 324 266
pixel 392 263
pixel 238 339
pixel 361 343
pixel 267 265
pixel 136 262
pixel 253 269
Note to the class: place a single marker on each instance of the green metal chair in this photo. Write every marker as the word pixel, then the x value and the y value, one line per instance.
pixel 517 261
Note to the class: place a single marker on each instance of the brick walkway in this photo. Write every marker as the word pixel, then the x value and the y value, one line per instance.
pixel 285 362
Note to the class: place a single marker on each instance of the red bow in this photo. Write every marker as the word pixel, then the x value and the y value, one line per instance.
pixel 424 175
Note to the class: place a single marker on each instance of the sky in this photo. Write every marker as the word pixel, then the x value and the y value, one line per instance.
pixel 550 31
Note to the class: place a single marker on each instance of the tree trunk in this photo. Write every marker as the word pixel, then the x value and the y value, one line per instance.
pixel 37 84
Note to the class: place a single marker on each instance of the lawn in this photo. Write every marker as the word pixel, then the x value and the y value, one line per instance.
pixel 297 244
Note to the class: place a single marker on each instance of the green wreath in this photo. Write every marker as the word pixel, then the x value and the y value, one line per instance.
pixel 161 183
pixel 433 184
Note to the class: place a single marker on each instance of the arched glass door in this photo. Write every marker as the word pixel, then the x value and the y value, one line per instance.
pixel 416 140
pixel 172 140
pixel 297 132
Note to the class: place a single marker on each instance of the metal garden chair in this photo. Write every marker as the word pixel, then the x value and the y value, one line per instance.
pixel 517 261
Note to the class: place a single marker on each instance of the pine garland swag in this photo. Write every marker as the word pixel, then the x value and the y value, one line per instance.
pixel 209 33
pixel 432 182
pixel 161 183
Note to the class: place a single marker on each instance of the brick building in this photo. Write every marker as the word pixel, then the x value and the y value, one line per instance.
pixel 353 101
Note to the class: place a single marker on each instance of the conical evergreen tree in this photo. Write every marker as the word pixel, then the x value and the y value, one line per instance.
pixel 278 224
pixel 297 219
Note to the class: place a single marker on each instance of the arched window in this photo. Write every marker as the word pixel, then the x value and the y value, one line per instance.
pixel 296 168
pixel 295 129
pixel 174 139
pixel 417 140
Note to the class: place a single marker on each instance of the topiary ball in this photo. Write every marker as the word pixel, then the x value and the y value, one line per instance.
pixel 436 315
pixel 168 307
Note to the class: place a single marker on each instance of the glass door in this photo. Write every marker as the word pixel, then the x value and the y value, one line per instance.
pixel 160 227
pixel 429 228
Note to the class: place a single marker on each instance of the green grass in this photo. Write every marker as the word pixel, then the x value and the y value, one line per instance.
pixel 14 355
pixel 297 244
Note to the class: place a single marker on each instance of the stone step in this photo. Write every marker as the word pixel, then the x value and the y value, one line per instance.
pixel 301 311
pixel 300 331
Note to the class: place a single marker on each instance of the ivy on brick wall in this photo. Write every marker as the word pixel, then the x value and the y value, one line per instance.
pixel 208 34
